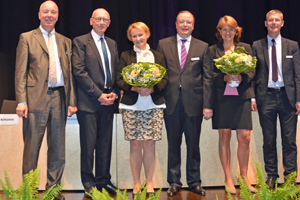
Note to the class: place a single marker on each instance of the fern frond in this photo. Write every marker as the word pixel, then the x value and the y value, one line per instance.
pixel 245 192
pixel 52 192
pixel 7 187
pixel 121 196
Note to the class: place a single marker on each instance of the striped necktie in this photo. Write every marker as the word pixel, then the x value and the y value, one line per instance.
pixel 183 53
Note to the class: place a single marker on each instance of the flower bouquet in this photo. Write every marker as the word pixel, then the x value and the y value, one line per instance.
pixel 235 63
pixel 143 74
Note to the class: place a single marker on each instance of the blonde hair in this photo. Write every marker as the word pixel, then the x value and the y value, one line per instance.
pixel 231 22
pixel 139 25
pixel 274 11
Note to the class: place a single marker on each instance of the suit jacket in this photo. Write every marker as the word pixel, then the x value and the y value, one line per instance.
pixel 196 78
pixel 89 71
pixel 290 69
pixel 244 89
pixel 130 97
pixel 32 68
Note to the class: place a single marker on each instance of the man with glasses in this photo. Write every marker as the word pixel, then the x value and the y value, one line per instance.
pixel 188 98
pixel 45 92
pixel 95 61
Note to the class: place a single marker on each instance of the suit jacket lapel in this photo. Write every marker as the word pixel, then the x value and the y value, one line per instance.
pixel 132 56
pixel 92 44
pixel 283 55
pixel 220 50
pixel 174 51
pixel 265 51
pixel 40 38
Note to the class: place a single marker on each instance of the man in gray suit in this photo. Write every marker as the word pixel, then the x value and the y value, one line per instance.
pixel 44 92
pixel 95 60
pixel 188 98
pixel 277 91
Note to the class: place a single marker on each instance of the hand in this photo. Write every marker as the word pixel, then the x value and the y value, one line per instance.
pixel 228 78
pixel 146 92
pixel 22 110
pixel 107 99
pixel 71 110
pixel 207 113
pixel 253 105
pixel 298 108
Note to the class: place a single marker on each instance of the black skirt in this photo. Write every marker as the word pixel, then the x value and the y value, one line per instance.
pixel 232 112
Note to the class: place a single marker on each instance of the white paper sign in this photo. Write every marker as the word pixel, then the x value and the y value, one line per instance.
pixel 9 119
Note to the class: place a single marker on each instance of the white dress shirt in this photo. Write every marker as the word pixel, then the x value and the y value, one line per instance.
pixel 97 41
pixel 186 44
pixel 59 74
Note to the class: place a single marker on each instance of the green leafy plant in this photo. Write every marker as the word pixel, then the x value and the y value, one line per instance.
pixel 287 190
pixel 28 190
pixel 141 194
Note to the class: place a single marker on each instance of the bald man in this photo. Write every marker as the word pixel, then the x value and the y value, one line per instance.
pixel 95 61
pixel 45 92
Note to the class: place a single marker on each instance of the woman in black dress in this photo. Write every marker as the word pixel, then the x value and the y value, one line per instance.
pixel 232 112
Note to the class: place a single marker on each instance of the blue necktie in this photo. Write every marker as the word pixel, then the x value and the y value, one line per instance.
pixel 107 70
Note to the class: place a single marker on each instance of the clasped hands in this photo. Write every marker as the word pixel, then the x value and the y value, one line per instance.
pixel 143 91
pixel 107 99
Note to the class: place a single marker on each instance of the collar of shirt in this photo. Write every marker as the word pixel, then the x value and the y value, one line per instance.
pixel 277 40
pixel 96 36
pixel 188 39
pixel 45 32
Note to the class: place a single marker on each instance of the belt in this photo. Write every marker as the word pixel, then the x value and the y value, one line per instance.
pixel 276 89
pixel 106 91
pixel 55 88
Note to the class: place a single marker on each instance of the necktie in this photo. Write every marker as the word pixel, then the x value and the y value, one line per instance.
pixel 183 53
pixel 274 63
pixel 52 64
pixel 107 70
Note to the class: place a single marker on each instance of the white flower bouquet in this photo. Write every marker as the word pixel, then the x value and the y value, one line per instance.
pixel 143 74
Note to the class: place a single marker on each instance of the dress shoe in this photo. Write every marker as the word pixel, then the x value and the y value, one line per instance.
pixel 198 190
pixel 90 191
pixel 59 197
pixel 231 190
pixel 173 190
pixel 271 182
pixel 110 188
pixel 150 194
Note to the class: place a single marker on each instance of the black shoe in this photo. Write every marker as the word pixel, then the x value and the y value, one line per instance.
pixel 173 190
pixel 88 191
pixel 59 197
pixel 198 190
pixel 150 194
pixel 271 181
pixel 110 188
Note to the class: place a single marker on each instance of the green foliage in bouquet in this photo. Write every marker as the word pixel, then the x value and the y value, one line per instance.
pixel 141 194
pixel 143 74
pixel 287 190
pixel 28 190
pixel 236 62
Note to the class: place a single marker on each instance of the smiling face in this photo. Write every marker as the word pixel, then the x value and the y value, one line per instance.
pixel 184 24
pixel 100 21
pixel 139 38
pixel 48 15
pixel 227 33
pixel 274 24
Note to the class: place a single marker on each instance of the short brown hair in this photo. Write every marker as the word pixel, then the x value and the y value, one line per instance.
pixel 186 11
pixel 139 25
pixel 231 22
pixel 274 11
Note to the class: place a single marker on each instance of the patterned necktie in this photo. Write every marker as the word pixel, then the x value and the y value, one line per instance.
pixel 107 70
pixel 52 64
pixel 183 53
pixel 274 63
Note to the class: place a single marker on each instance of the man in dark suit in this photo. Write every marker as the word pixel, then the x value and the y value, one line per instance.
pixel 188 98
pixel 277 91
pixel 45 92
pixel 95 61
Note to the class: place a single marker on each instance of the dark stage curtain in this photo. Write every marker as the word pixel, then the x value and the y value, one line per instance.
pixel 17 16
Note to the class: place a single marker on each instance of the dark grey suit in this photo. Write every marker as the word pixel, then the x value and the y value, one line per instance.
pixel 185 105
pixel 282 103
pixel 45 108
pixel 95 120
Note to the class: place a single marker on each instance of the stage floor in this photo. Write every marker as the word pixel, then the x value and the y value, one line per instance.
pixel 184 194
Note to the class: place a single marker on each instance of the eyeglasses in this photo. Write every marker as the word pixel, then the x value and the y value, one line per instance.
pixel 98 19
pixel 187 22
